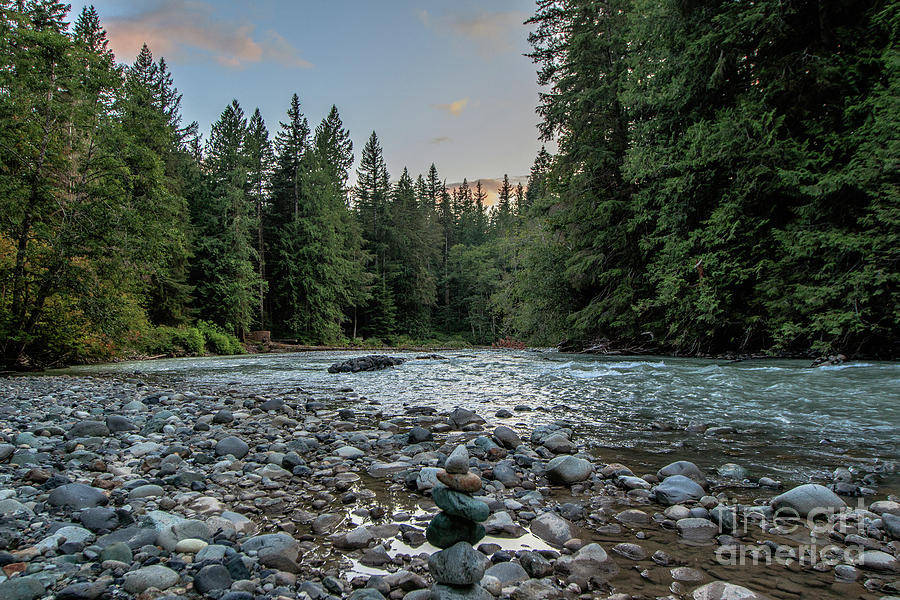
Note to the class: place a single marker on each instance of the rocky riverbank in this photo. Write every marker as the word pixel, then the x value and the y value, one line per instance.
pixel 120 488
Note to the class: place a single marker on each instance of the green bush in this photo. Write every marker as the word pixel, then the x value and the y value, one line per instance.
pixel 171 340
pixel 218 341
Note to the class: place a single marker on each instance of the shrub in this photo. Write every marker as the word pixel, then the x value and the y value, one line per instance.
pixel 218 341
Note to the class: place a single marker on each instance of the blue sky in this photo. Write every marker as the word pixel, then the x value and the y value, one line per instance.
pixel 440 81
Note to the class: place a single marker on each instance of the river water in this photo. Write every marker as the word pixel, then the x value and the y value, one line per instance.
pixel 792 422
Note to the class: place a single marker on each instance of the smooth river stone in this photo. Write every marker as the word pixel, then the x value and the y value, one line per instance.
pixel 459 504
pixel 446 530
pixel 458 461
pixel 461 482
pixel 460 564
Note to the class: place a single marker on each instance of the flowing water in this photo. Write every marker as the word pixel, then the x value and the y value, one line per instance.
pixel 792 422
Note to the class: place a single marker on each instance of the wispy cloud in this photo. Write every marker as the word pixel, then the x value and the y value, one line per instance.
pixel 441 140
pixel 492 32
pixel 455 108
pixel 178 29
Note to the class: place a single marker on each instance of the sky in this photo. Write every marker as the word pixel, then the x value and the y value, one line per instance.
pixel 439 81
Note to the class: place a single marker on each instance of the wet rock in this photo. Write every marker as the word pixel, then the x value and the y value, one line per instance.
pixel 509 573
pixel 459 564
pixel 558 443
pixel 419 434
pixel 877 560
pixel 276 550
pixel 77 496
pixel 720 590
pixel 630 551
pixel 326 522
pixel 732 471
pixel 459 504
pixel 553 529
pixel 382 469
pixel 590 562
pixel 445 530
pixel 684 468
pixel 232 445
pixel 463 482
pixel 427 478
pixel 458 461
pixel 461 417
pixel 568 469
pixel 805 499
pixel 883 507
pixel 536 589
pixel 677 489
pixel 891 525
pixel 355 539
pixel 506 437
pixel 697 530
pixel 212 577
pixel 501 524
pixel 449 592
pixel 535 565
pixel 373 362
pixel 154 576
pixel 633 516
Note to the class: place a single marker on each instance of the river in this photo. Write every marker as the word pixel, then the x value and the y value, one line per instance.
pixel 791 422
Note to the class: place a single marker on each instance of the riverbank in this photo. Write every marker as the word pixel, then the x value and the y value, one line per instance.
pixel 117 485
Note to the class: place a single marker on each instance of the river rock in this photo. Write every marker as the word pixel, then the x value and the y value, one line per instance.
pixel 553 529
pixel 630 551
pixel 507 437
pixel 357 538
pixel 509 573
pixel 568 469
pixel 326 522
pixel 697 530
pixel 557 443
pixel 732 471
pixel 419 434
pixel 460 564
pixel 183 529
pixel 505 473
pixel 99 518
pixel 501 524
pixel 117 423
pixel 154 576
pixel 88 590
pixel 373 362
pixel 450 592
pixel 537 589
pixel 590 562
pixel 877 560
pixel 677 489
pixel 809 498
pixel 459 504
pixel 535 565
pixel 212 577
pixel 891 525
pixel 883 507
pixel 685 468
pixel 461 417
pixel 458 461
pixel 21 588
pixel 276 550
pixel 87 429
pixel 119 551
pixel 720 590
pixel 468 483
pixel 77 496
pixel 232 445
pixel 446 530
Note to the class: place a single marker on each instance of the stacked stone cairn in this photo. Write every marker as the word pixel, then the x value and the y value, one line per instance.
pixel 458 568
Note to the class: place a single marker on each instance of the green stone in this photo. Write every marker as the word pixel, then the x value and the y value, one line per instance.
pixel 459 504
pixel 446 530
pixel 119 551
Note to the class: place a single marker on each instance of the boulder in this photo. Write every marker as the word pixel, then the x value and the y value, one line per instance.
pixel 807 500
pixel 676 489
pixel 567 470
pixel 460 564
pixel 590 562
pixel 553 529
pixel 685 468
pixel 721 590
pixel 77 496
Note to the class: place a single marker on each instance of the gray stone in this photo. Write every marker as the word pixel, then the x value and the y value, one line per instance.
pixel 505 473
pixel 732 471
pixel 277 550
pixel 232 445
pixel 807 500
pixel 590 562
pixel 366 594
pixel 721 590
pixel 21 588
pixel 350 452
pixel 6 450
pixel 77 496
pixel 146 491
pixel 630 551
pixel 506 437
pixel 212 577
pixel 677 489
pixel 891 525
pixel 213 552
pixel 154 576
pixel 117 423
pixel 89 590
pixel 450 592
pixel 326 522
pixel 685 468
pixel 99 518
pixel 383 469
pixel 697 530
pixel 876 560
pixel 458 461
pixel 119 551
pixel 10 507
pixel 509 573
pixel 537 589
pixel 558 443
pixel 87 429
pixel 184 529
pixel 354 539
pixel 553 529
pixel 418 435
pixel 568 469
pixel 535 565
pixel 460 564
pixel 135 537
pixel 502 525
pixel 461 417
pixel 427 478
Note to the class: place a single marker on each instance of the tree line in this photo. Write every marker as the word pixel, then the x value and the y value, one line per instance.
pixel 725 179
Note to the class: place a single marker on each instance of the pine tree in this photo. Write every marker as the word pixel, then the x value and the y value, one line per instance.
pixel 259 160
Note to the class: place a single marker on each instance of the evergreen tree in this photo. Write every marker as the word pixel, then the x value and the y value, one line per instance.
pixel 259 160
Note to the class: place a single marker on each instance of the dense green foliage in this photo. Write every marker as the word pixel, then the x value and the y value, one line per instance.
pixel 726 179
